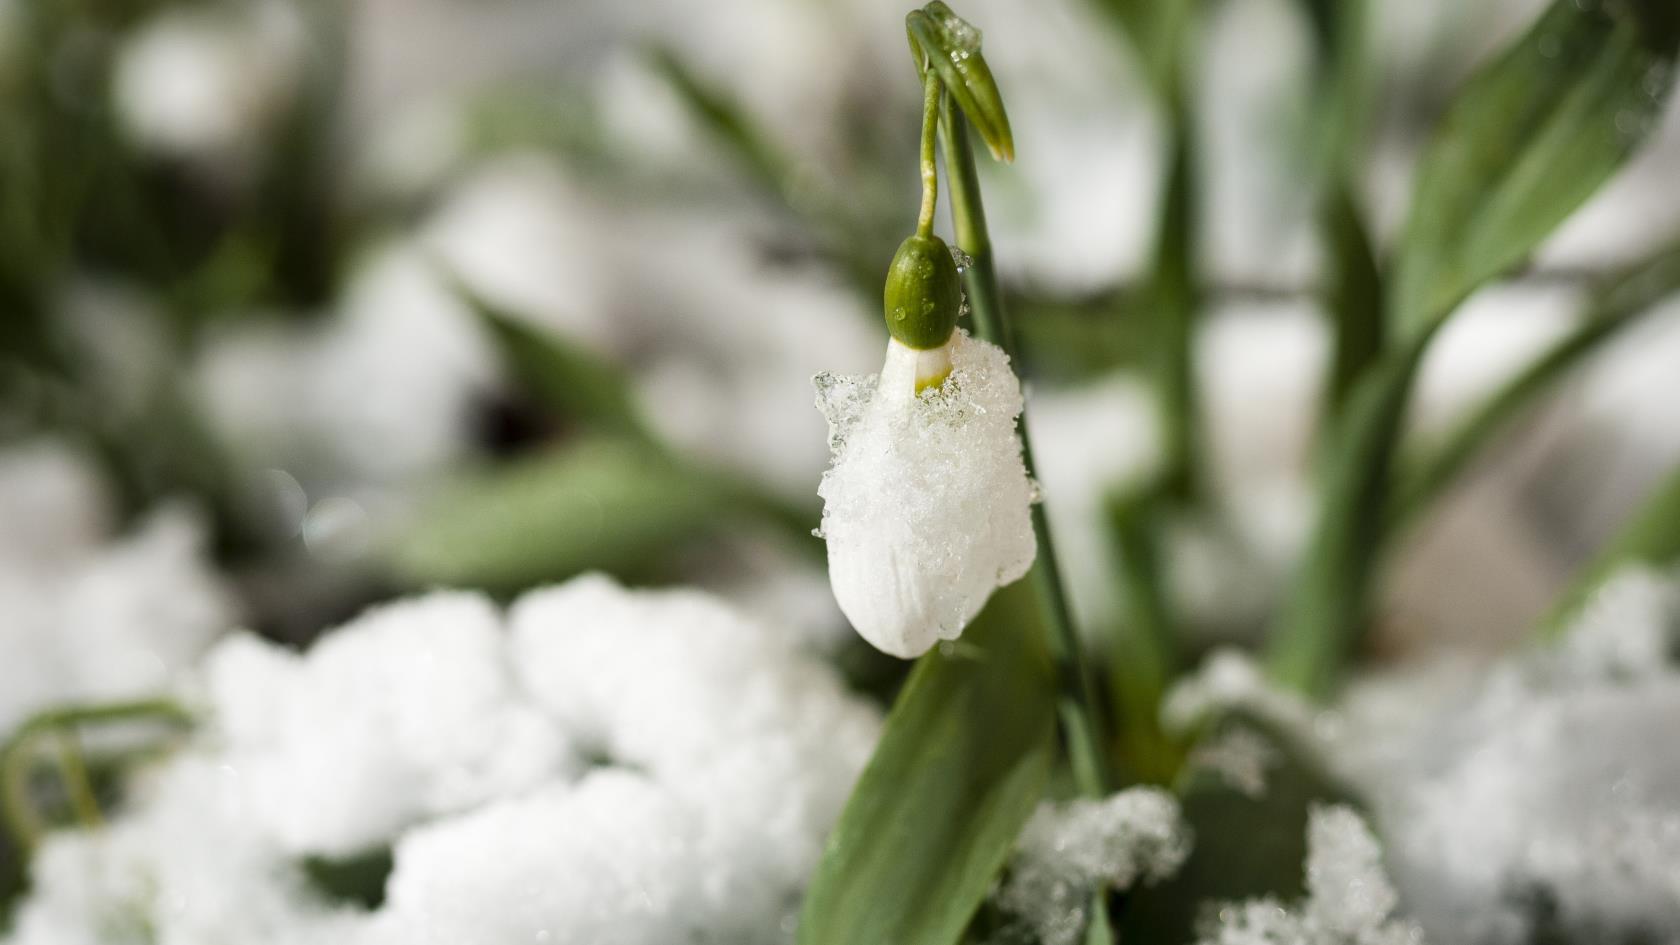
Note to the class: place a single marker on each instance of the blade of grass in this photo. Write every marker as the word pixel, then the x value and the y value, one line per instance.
pixel 1619 303
pixel 1651 537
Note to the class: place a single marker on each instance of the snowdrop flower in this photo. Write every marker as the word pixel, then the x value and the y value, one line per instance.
pixel 927 503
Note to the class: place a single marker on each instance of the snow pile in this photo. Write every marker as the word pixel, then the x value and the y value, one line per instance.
pixel 183 866
pixel 1350 900
pixel 700 721
pixel 927 505
pixel 405 713
pixel 1544 805
pixel 599 765
pixel 1069 851
pixel 84 618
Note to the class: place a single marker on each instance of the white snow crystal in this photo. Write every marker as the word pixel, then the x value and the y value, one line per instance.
pixel 406 712
pixel 927 504
pixel 1350 900
pixel 1068 851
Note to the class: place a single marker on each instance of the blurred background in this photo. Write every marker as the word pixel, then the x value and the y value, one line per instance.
pixel 305 304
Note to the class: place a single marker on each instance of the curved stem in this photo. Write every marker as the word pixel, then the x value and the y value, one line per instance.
pixel 72 767
pixel 1076 706
pixel 931 89
pixel 22 820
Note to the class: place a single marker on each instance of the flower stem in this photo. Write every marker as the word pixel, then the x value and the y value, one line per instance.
pixel 22 820
pixel 72 767
pixel 1076 703
pixel 931 90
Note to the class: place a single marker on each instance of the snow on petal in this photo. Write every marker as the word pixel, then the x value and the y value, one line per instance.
pixel 927 505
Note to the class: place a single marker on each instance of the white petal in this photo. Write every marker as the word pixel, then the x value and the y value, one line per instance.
pixel 927 505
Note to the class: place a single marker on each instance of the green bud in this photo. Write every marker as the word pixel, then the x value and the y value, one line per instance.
pixel 924 293
pixel 950 45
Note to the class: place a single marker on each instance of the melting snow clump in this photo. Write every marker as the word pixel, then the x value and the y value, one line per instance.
pixel 1350 900
pixel 1543 804
pixel 927 505
pixel 595 765
pixel 1068 851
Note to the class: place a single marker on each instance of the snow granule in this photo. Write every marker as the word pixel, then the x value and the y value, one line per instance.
pixel 1349 901
pixel 927 504
pixel 405 713
pixel 1069 851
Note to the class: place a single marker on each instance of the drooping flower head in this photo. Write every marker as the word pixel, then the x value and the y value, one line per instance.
pixel 927 504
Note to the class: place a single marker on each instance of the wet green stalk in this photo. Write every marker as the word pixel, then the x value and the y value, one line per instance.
pixel 1076 707
pixel 22 820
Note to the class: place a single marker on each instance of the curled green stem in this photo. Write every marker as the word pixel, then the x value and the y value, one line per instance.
pixel 931 89
pixel 72 767
pixel 23 822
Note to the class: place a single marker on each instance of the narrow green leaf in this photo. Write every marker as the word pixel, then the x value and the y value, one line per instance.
pixel 1247 844
pixel 1159 31
pixel 951 46
pixel 1651 537
pixel 1143 661
pixel 605 504
pixel 1354 300
pixel 1531 136
pixel 724 118
pixel 1618 303
pixel 1324 615
pixel 562 377
pixel 1174 300
pixel 964 759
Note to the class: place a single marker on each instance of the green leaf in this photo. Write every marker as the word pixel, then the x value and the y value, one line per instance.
pixel 605 504
pixel 1143 661
pixel 1651 537
pixel 563 377
pixel 951 46
pixel 1160 31
pixel 1530 137
pixel 1618 303
pixel 1245 844
pixel 1174 300
pixel 1355 296
pixel 724 118
pixel 1323 617
pixel 963 760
